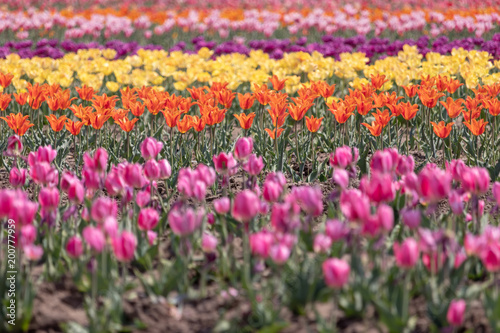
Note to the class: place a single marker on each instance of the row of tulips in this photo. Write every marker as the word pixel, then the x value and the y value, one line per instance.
pixel 159 23
pixel 378 244
pixel 178 71
pixel 437 116
pixel 329 46
pixel 130 7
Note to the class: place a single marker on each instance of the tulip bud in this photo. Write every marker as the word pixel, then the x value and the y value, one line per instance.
pixel 148 219
pixel 246 206
pixel 17 177
pixel 456 312
pixel 222 205
pixel 406 253
pixel 124 246
pixel 243 148
pixel 74 247
pixel 336 272
pixel 209 243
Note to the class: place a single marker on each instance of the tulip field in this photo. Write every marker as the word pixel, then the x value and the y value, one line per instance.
pixel 249 166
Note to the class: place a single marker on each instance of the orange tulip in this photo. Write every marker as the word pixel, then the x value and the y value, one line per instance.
pixel 427 82
pixel 378 81
pixel 245 120
pixel 476 127
pixel 60 100
pixel 21 98
pixel 218 86
pixel 98 119
pixel 277 112
pixel 126 124
pixel 104 102
pixel 364 106
pixel 375 128
pixel 129 95
pixel 408 111
pixel 5 79
pixel 4 101
pixel 272 133
pixel 82 113
pixel 184 125
pixel 36 95
pixel 341 111
pixel 185 104
pixel 383 118
pixel 117 114
pixel 313 124
pixel 51 90
pixel 56 124
pixel 493 107
pixel 429 97
pixel 196 93
pixel 226 98
pixel 493 90
pixel 198 123
pixel 453 85
pixel 74 127
pixel 137 108
pixel 324 89
pixel 411 90
pixel 171 118
pixel 246 101
pixel 262 93
pixel 453 107
pixel 442 130
pixel 442 83
pixel 18 123
pixel 391 99
pixel 277 83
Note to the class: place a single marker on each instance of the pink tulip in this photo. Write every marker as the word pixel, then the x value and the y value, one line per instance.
pixel 455 168
pixel 132 174
pixel 272 190
pixel 110 227
pixel 23 211
pixel 385 216
pixel 285 217
pixel 490 256
pixel 322 243
pixel 279 253
pixel 74 247
pixel 150 148
pixel 222 205
pixel 433 184
pixel 115 184
pixel 246 206
pixel 151 237
pixel 94 238
pixel 254 165
pixel 152 170
pixel 460 257
pixel 7 198
pixel 43 154
pixel 143 198
pixel 406 253
pixel 17 177
pixel 406 164
pixel 343 157
pixel 336 272
pixel 76 192
pixel 354 205
pixel 199 190
pixel 379 187
pixel 67 179
pixel 341 178
pixel 148 219
pixel 475 180
pixel 91 178
pixel 14 146
pixel 184 221
pixel 98 162
pixel 209 243
pixel 456 203
pixel 43 173
pixel 456 312
pixel 243 148
pixel 335 229
pixel 124 246
pixel 165 169
pixel 206 174
pixel 384 161
pixel 411 218
pixel 33 252
pixel 49 198
pixel 28 234
pixel 224 163
pixel 103 207
pixel 496 192
pixel 260 243
pixel 310 199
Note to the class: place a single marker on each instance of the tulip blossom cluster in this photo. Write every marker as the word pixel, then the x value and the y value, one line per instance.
pixel 120 209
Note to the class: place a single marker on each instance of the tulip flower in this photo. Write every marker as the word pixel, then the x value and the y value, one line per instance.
pixel 245 120
pixel 209 243
pixel 476 127
pixel 456 312
pixel 336 272
pixel 74 247
pixel 442 130
pixel 148 219
pixel 406 253
pixel 243 148
pixel 124 246
pixel 246 206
